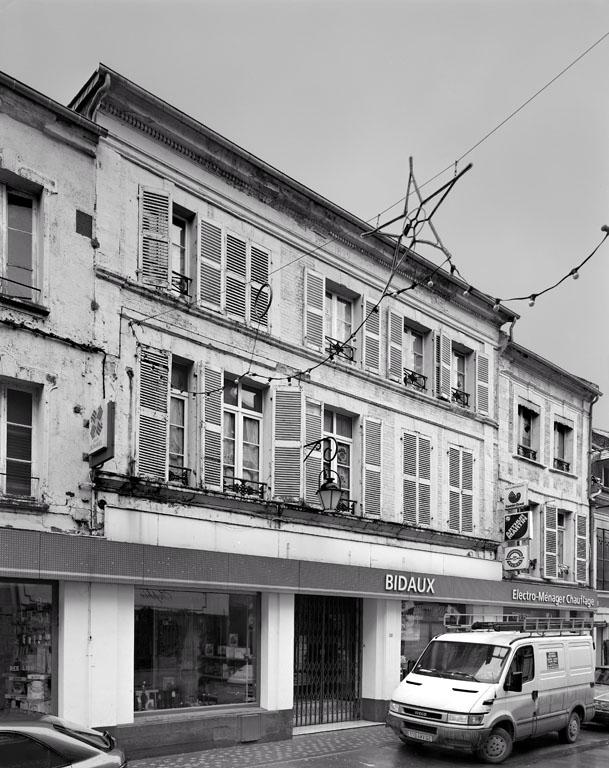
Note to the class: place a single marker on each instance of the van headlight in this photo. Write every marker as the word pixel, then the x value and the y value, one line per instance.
pixel 475 719
pixel 394 706
pixel 452 717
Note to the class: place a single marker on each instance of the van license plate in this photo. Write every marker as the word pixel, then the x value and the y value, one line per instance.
pixel 418 735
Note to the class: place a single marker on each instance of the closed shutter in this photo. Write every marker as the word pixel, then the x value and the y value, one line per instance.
pixel 372 466
pixel 372 336
pixel 581 557
pixel 482 383
pixel 467 492
pixel 213 388
pixel 417 479
pixel 155 217
pixel 236 270
pixel 259 275
pixel 395 334
pixel 153 413
pixel 460 490
pixel 210 264
pixel 550 555
pixel 315 296
pixel 443 365
pixel 287 442
pixel 454 489
pixel 313 464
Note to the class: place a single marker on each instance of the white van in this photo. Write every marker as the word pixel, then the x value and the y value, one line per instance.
pixel 482 689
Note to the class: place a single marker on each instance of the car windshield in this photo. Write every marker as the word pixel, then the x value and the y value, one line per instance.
pixel 479 662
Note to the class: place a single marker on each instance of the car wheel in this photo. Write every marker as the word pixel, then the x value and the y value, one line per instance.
pixel 496 747
pixel 569 734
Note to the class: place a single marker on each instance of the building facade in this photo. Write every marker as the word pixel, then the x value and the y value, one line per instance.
pixel 241 343
pixel 600 558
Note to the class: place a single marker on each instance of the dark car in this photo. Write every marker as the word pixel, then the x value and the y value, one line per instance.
pixel 601 695
pixel 54 743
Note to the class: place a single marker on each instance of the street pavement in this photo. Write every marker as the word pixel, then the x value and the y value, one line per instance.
pixel 377 747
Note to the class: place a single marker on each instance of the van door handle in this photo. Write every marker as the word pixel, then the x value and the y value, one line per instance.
pixel 534 694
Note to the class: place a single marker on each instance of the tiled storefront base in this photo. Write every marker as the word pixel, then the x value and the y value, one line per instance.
pixel 173 733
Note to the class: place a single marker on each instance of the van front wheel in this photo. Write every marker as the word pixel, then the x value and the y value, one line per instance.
pixel 496 747
pixel 569 734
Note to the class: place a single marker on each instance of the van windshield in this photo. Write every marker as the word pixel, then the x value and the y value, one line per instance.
pixel 462 661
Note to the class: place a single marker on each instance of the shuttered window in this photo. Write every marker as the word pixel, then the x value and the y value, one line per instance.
pixel 372 336
pixel 287 443
pixel 416 479
pixel 460 490
pixel 314 309
pixel 213 387
pixel 443 362
pixel 550 558
pixel 155 232
pixel 16 426
pixel 581 548
pixel 482 383
pixel 372 466
pixel 153 418
pixel 395 337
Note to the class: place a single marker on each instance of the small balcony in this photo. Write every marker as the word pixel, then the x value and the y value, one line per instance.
pixel 180 284
pixel 339 349
pixel 562 465
pixel 414 379
pixel 179 475
pixel 346 506
pixel 460 397
pixel 242 487
pixel 527 453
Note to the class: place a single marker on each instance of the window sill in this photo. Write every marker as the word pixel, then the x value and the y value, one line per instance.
pixel 27 306
pixel 529 461
pixel 562 472
pixel 22 504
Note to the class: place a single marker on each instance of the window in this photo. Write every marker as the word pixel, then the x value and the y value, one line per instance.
pixel 459 371
pixel 454 372
pixel 523 663
pixel 563 446
pixel 178 421
pixel 18 213
pixel 339 427
pixel 17 406
pixel 602 559
pixel 180 250
pixel 242 430
pixel 194 649
pixel 563 559
pixel 338 323
pixel 460 493
pixel 417 479
pixel 528 437
pixel 415 373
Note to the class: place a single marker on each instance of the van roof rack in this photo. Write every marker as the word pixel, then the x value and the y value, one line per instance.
pixel 469 622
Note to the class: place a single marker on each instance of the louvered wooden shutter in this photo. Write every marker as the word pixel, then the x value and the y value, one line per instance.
pixel 372 336
pixel 372 466
pixel 259 275
pixel 210 264
pixel 236 271
pixel 550 555
pixel 153 419
pixel 155 218
pixel 443 365
pixel 313 465
pixel 417 479
pixel 212 433
pixel 315 297
pixel 395 335
pixel 482 383
pixel 467 492
pixel 581 557
pixel 454 489
pixel 287 442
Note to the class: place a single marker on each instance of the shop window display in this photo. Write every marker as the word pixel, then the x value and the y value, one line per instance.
pixel 194 649
pixel 26 612
pixel 420 622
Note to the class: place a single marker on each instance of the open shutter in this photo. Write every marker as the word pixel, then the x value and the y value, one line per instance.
pixel 213 383
pixel 443 365
pixel 424 480
pixel 395 334
pixel 155 217
pixel 210 264
pixel 482 383
pixel 467 492
pixel 287 442
pixel 372 336
pixel 236 268
pixel 550 555
pixel 313 464
pixel 259 296
pixel 581 548
pixel 454 489
pixel 315 297
pixel 153 413
pixel 372 466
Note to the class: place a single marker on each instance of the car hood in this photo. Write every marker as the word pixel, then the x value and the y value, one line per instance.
pixel 443 693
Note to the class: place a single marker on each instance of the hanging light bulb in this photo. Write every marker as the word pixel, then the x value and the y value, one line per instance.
pixel 430 283
pixel 574 273
pixel 467 291
pixel 497 305
pixel 532 300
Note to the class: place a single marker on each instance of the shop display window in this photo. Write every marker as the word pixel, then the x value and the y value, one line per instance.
pixel 420 622
pixel 194 649
pixel 26 621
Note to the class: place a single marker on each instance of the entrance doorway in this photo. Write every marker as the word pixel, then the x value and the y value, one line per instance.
pixel 327 659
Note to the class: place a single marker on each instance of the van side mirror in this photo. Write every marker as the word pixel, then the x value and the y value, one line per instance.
pixel 514 682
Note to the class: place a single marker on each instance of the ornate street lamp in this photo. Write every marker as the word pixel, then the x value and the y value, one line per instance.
pixel 330 493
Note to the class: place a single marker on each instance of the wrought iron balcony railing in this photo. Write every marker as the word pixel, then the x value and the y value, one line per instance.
pixel 414 379
pixel 244 487
pixel 180 283
pixel 460 397
pixel 346 505
pixel 561 464
pixel 13 289
pixel 179 474
pixel 340 349
pixel 527 453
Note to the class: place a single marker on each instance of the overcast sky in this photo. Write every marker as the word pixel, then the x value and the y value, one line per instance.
pixel 339 93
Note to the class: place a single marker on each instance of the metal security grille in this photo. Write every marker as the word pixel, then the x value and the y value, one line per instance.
pixel 327 659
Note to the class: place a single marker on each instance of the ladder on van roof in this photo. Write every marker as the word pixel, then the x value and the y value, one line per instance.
pixel 470 622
